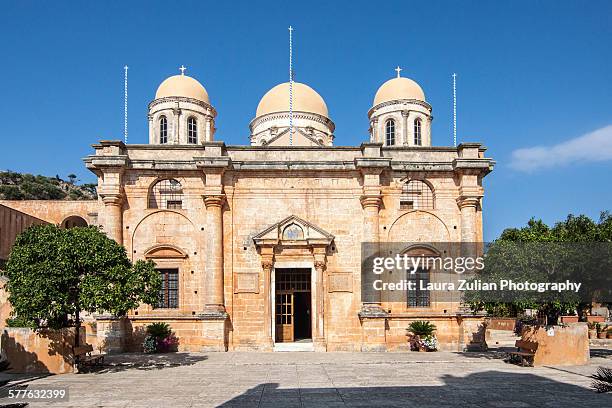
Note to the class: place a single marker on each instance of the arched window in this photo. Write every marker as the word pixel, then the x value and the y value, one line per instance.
pixel 74 221
pixel 390 132
pixel 416 194
pixel 192 131
pixel 417 132
pixel 420 297
pixel 163 130
pixel 166 194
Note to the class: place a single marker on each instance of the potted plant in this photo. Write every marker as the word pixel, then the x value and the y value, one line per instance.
pixel 602 331
pixel 592 330
pixel 609 336
pixel 423 338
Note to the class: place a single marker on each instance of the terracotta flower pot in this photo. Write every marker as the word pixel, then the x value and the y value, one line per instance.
pixel 592 334
pixel 569 319
pixel 610 335
pixel 602 335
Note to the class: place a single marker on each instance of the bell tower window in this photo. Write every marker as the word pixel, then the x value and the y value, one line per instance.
pixel 417 132
pixel 192 130
pixel 163 130
pixel 390 132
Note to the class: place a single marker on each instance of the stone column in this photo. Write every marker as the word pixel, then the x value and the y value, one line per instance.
pixel 113 216
pixel 266 266
pixel 405 127
pixel 176 124
pixel 375 130
pixel 213 289
pixel 319 309
pixel 151 129
pixel 371 206
pixel 208 129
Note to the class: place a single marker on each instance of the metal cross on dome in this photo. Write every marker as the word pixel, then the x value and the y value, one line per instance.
pixel 182 69
pixel 398 70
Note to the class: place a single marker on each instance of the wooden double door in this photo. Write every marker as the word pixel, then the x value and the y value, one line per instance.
pixel 293 304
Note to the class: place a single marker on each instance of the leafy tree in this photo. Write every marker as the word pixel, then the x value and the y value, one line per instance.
pixel 72 177
pixel 55 274
pixel 576 249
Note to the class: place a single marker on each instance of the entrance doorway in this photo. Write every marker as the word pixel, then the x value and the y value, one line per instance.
pixel 293 299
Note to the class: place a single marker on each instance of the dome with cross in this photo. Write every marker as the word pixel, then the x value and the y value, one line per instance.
pixel 182 85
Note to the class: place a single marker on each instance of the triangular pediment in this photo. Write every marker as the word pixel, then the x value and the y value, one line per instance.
pixel 299 138
pixel 293 230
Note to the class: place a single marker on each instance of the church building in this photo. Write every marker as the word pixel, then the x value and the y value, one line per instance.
pixel 260 246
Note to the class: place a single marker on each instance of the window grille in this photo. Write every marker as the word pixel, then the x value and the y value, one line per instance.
pixel 418 297
pixel 416 194
pixel 166 194
pixel 296 280
pixel 169 292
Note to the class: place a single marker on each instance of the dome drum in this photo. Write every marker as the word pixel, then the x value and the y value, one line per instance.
pixel 181 113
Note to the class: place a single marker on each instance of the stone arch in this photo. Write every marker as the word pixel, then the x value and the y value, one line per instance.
pixel 165 251
pixel 73 221
pixel 167 227
pixel 418 226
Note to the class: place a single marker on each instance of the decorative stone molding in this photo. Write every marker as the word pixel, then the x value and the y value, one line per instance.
pixel 203 104
pixel 399 102
pixel 296 115
pixel 214 200
pixel 371 201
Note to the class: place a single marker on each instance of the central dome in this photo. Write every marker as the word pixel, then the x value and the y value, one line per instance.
pixel 398 88
pixel 305 99
pixel 182 85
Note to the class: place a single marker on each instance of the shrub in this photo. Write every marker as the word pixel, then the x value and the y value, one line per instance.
pixel 159 339
pixel 422 328
pixel 159 330
pixel 19 322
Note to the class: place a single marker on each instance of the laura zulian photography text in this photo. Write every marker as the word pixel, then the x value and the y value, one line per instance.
pixel 477 285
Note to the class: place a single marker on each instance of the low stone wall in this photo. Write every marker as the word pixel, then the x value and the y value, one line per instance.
pixel 454 332
pixel 559 345
pixel 36 352
pixel 116 335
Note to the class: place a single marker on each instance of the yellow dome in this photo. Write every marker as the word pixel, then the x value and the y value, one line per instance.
pixel 398 88
pixel 182 85
pixel 305 99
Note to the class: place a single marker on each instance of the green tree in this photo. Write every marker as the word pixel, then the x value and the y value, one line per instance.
pixel 576 249
pixel 55 274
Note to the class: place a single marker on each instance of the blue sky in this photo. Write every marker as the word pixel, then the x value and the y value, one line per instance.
pixel 531 74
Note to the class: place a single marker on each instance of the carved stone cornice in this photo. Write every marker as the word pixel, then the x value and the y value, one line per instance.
pixel 296 115
pixel 399 102
pixel 166 99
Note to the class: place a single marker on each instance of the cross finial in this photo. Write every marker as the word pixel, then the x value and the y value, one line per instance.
pixel 398 70
pixel 182 69
pixel 290 28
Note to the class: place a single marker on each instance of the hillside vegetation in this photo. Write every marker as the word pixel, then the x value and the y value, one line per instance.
pixel 18 186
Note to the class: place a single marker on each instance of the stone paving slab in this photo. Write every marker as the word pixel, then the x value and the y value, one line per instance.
pixel 284 380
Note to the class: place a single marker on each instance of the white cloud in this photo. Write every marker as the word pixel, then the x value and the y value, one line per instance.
pixel 595 146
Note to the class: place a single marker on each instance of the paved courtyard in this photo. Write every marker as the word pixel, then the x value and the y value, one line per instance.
pixel 285 380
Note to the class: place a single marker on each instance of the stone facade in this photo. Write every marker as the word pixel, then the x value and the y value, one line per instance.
pixel 227 240
pixel 227 225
